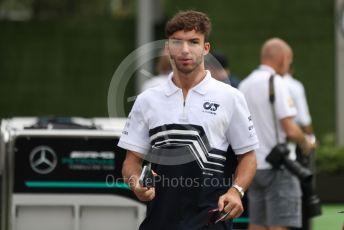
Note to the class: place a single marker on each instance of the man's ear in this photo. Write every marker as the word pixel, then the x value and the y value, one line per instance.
pixel 280 62
pixel 206 48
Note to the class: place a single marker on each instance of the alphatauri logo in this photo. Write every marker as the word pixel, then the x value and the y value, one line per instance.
pixel 210 107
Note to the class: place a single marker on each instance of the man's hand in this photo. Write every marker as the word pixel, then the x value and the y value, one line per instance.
pixel 231 202
pixel 142 193
pixel 131 170
pixel 309 145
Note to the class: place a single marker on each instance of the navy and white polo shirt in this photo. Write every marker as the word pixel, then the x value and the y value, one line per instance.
pixel 188 140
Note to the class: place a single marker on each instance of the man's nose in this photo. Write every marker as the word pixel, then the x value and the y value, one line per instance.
pixel 185 47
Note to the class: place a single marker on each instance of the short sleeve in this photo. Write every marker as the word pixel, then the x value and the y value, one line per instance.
pixel 135 135
pixel 303 117
pixel 284 103
pixel 241 133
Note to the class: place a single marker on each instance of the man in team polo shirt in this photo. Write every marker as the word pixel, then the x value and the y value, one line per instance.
pixel 184 127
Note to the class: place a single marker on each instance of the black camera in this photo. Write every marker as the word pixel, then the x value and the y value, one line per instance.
pixel 310 200
pixel 279 156
pixel 312 205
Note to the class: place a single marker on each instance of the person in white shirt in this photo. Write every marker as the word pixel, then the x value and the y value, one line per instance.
pixel 303 119
pixel 184 127
pixel 163 69
pixel 275 194
pixel 297 92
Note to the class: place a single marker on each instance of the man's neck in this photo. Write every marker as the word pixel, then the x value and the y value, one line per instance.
pixel 189 80
pixel 271 64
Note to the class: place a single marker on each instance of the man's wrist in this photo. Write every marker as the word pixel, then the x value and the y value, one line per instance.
pixel 304 141
pixel 239 190
pixel 132 181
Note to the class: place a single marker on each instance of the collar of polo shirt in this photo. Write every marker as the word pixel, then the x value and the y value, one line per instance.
pixel 201 87
pixel 267 68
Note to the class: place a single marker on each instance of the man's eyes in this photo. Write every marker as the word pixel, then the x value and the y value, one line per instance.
pixel 179 42
pixel 176 42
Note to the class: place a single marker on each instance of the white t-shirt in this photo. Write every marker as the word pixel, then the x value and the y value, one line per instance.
pixel 256 90
pixel 297 92
pixel 214 114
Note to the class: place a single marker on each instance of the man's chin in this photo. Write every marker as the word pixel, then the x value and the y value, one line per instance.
pixel 185 70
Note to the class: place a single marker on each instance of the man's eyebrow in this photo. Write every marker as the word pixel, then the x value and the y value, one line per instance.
pixel 174 38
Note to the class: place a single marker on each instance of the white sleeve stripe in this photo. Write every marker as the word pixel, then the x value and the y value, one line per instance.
pixel 167 132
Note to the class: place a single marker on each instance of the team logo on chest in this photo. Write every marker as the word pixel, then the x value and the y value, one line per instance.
pixel 210 107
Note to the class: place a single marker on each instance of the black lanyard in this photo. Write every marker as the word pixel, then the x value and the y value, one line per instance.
pixel 272 102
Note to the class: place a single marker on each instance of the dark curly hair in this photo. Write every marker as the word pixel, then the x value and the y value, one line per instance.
pixel 187 21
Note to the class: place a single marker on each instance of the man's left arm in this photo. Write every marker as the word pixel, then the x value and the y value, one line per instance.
pixel 231 200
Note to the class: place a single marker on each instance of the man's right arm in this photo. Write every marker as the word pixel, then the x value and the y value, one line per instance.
pixel 131 171
pixel 295 134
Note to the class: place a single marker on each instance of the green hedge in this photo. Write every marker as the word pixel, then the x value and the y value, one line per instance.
pixel 329 157
pixel 61 67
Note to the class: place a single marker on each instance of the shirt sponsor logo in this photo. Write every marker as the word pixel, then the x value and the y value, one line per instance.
pixel 210 107
pixel 290 102
pixel 126 127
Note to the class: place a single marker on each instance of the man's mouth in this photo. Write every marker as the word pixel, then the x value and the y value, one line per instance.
pixel 185 61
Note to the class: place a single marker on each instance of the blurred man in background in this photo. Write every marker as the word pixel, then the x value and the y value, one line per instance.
pixel 163 68
pixel 223 72
pixel 275 194
pixel 310 201
pixel 297 92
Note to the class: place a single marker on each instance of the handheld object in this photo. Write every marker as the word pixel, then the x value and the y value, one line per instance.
pixel 147 178
pixel 215 216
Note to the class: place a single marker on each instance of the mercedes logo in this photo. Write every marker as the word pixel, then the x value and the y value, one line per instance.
pixel 43 159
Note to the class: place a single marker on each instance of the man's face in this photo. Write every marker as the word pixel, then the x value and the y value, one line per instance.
pixel 187 50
